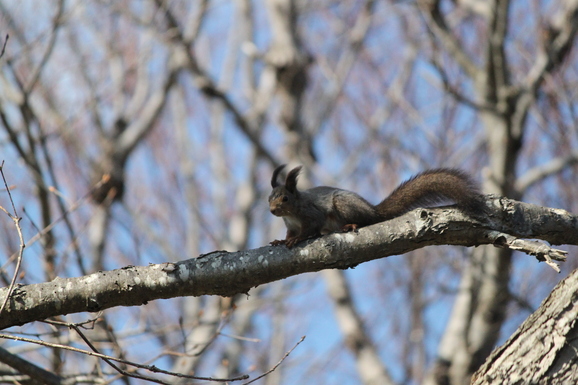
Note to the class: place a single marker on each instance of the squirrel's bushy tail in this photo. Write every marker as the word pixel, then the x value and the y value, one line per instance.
pixel 431 188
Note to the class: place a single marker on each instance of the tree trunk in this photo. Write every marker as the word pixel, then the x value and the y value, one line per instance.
pixel 543 349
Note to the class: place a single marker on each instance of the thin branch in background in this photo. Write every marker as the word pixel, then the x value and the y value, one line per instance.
pixel 110 363
pixel 453 91
pixel 77 326
pixel 436 61
pixel 92 321
pixel 539 173
pixel 40 233
pixel 9 193
pixel 150 368
pixel 4 50
pixel 278 363
pixel 16 220
pixel 208 87
pixel 27 369
pixel 241 338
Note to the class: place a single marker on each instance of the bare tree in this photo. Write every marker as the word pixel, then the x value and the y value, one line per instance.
pixel 145 132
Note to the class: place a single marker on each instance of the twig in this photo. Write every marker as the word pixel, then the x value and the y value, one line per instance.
pixel 278 363
pixel 16 220
pixel 110 363
pixel 538 249
pixel 75 206
pixel 537 174
pixel 150 368
pixel 8 190
pixel 208 87
pixel 240 338
pixel 3 50
pixel 91 321
pixel 26 368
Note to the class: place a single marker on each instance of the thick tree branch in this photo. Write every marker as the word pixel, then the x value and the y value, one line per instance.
pixel 223 273
pixel 543 349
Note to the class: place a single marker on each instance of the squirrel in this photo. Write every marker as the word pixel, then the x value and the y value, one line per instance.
pixel 324 210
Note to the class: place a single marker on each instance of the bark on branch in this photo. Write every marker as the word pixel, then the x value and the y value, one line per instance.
pixel 228 273
pixel 543 349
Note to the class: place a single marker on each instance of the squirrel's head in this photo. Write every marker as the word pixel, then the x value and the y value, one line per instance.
pixel 284 198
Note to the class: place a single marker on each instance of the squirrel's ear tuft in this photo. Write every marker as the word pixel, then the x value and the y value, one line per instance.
pixel 291 180
pixel 274 182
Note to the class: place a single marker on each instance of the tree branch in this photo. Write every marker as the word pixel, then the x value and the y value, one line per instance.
pixel 29 369
pixel 150 368
pixel 558 40
pixel 439 28
pixel 224 273
pixel 370 368
pixel 543 349
pixel 208 87
pixel 539 173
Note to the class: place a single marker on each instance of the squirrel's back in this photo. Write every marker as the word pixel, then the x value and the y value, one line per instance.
pixel 433 187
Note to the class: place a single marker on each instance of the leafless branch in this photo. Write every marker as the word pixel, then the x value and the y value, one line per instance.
pixel 538 173
pixel 49 49
pixel 4 45
pixel 337 79
pixel 150 368
pixel 208 87
pixel 453 91
pixel 278 363
pixel 438 27
pixel 557 44
pixel 540 250
pixel 369 365
pixel 73 207
pixel 16 218
pixel 210 274
pixel 26 367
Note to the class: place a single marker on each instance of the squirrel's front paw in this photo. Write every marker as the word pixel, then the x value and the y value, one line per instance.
pixel 290 242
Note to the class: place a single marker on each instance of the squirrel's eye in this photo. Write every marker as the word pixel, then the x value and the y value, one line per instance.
pixel 285 198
